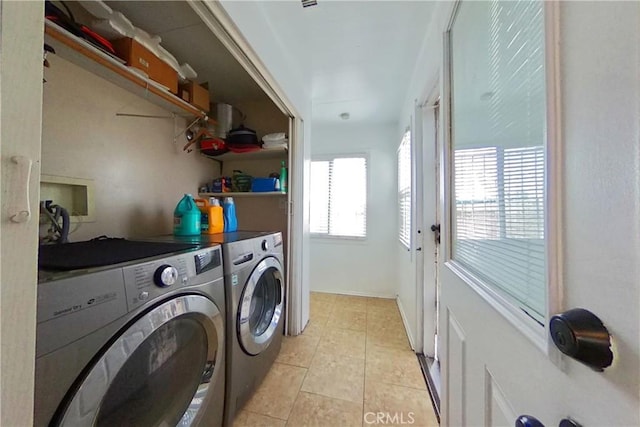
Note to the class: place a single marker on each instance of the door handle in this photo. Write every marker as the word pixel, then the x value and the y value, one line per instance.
pixel 22 209
pixel 436 229
pixel 580 334
pixel 568 422
pixel 528 421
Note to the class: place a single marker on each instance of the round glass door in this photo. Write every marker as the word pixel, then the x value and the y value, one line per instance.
pixel 158 372
pixel 261 306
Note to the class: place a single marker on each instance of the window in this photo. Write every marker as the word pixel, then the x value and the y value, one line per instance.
pixel 339 197
pixel 404 190
pixel 498 136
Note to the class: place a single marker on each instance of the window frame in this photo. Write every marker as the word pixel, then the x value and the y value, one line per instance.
pixel 539 336
pixel 400 192
pixel 330 157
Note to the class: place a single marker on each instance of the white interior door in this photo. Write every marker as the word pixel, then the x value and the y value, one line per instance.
pixel 497 361
pixel 21 42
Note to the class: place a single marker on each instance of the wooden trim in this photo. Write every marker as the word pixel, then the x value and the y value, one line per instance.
pixel 554 181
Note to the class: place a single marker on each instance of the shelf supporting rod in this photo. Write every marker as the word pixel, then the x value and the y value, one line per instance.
pixel 145 116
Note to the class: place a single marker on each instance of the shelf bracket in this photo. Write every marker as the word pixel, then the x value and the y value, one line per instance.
pixel 184 131
pixel 220 162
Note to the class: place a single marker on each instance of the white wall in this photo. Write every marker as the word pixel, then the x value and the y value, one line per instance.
pixel 361 267
pixel 139 173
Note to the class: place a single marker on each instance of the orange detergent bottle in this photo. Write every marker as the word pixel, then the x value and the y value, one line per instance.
pixel 212 218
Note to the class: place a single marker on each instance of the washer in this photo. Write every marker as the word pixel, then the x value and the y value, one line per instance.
pixel 255 292
pixel 137 344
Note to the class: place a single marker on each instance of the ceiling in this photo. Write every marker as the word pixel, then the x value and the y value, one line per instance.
pixel 364 54
pixel 359 55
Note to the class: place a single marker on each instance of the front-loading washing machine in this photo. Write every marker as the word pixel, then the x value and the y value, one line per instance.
pixel 140 343
pixel 255 292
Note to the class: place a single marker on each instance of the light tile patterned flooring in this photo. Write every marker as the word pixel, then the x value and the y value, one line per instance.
pixel 352 366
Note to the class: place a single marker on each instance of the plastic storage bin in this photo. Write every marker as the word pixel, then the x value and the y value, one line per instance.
pixel 263 185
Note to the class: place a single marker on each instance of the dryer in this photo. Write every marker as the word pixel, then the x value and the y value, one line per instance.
pixel 140 343
pixel 255 292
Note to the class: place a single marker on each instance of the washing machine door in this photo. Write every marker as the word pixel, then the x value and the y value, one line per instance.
pixel 261 306
pixel 160 371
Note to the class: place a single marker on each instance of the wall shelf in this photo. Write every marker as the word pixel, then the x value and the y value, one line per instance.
pixel 92 59
pixel 244 194
pixel 264 153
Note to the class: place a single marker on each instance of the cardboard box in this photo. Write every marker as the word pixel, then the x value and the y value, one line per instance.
pixel 196 95
pixel 138 56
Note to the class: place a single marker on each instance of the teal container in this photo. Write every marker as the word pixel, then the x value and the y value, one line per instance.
pixel 283 178
pixel 229 212
pixel 186 217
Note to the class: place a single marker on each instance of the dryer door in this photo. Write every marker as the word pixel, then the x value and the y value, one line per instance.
pixel 160 371
pixel 261 306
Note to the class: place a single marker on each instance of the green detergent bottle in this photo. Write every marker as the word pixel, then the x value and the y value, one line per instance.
pixel 283 178
pixel 186 217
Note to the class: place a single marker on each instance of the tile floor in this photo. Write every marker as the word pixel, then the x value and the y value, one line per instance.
pixel 352 366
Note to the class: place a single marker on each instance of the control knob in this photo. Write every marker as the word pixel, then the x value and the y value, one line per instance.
pixel 165 276
pixel 265 245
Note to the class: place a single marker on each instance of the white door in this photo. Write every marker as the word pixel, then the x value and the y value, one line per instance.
pixel 498 362
pixel 21 41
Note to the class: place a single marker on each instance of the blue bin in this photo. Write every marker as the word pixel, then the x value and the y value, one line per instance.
pixel 262 185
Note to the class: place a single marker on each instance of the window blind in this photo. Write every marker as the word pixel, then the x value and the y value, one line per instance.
pixel 339 197
pixel 498 127
pixel 404 190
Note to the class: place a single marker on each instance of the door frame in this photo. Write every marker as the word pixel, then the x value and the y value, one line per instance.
pixel 425 140
pixel 222 26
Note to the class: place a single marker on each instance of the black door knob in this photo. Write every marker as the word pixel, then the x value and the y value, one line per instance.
pixel 436 229
pixel 568 422
pixel 580 334
pixel 528 421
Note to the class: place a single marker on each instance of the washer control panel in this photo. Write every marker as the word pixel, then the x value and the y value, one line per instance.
pixel 149 280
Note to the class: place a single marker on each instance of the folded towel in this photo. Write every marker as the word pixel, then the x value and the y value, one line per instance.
pixel 275 146
pixel 274 137
pixel 275 142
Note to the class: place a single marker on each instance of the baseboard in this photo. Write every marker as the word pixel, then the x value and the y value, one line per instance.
pixel 356 293
pixel 406 324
